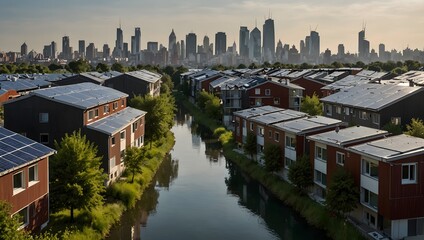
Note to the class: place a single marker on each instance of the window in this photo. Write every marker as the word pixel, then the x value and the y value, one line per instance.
pixel 18 182
pixel 288 162
pixel 115 105
pixel 277 101
pixel 369 198
pixel 363 115
pixel 346 110
pixel 396 120
pixel 321 153
pixel 370 168
pixel 251 126
pixel 320 178
pixel 277 136
pixel 96 113
pixel 122 155
pixel 340 158
pixel 338 110
pixel 328 109
pixel 90 114
pixel 135 126
pixel 23 217
pixel 409 173
pixel 261 148
pixel 257 91
pixel 270 134
pixel 375 118
pixel 33 174
pixel 43 117
pixel 112 163
pixel 44 138
pixel 122 102
pixel 113 141
pixel 290 142
pixel 123 135
pixel 106 109
pixel 267 92
pixel 261 131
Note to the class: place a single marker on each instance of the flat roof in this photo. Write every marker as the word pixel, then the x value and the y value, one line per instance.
pixel 391 148
pixel 417 77
pixel 347 82
pixel 371 96
pixel 24 84
pixel 145 75
pixel 218 82
pixel 256 111
pixel 17 151
pixel 280 116
pixel 82 95
pixel 347 135
pixel 117 121
pixel 307 124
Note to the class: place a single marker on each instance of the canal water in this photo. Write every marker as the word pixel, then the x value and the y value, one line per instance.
pixel 198 194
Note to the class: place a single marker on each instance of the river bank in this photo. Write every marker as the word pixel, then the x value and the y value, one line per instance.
pixel 314 213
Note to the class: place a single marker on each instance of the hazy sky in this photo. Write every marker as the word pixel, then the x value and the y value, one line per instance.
pixel 397 23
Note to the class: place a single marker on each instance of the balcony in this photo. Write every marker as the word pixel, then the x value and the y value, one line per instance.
pixel 369 183
pixel 320 165
pixel 290 153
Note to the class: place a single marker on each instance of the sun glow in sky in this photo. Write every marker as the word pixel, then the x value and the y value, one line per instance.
pixel 396 23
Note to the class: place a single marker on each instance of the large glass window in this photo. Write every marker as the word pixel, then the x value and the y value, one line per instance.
pixel 290 142
pixel 320 178
pixel 18 182
pixel 340 158
pixel 409 173
pixel 320 153
pixel 23 217
pixel 370 168
pixel 33 173
pixel 369 198
pixel 43 117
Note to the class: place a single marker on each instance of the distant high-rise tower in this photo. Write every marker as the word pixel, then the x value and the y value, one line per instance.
pixel 269 40
pixel 244 42
pixel 153 47
pixel 125 50
pixel 81 48
pixel 172 40
pixel 119 43
pixel 106 51
pixel 255 49
pixel 133 45
pixel 363 45
pixel 220 43
pixel 341 50
pixel 90 52
pixel 206 44
pixel 382 52
pixel 24 49
pixel 279 51
pixel 314 46
pixel 191 45
pixel 66 48
pixel 172 48
pixel 183 50
pixel 137 39
pixel 53 47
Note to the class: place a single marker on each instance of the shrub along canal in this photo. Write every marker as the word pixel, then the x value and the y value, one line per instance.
pixel 198 194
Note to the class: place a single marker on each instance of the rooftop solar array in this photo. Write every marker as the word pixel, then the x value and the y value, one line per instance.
pixel 17 150
pixel 115 122
pixel 145 75
pixel 280 116
pixel 371 96
pixel 392 148
pixel 347 82
pixel 256 111
pixel 82 95
pixel 347 135
pixel 417 77
pixel 307 123
pixel 220 81
pixel 24 84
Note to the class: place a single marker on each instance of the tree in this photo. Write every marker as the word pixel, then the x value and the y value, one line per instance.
pixel 300 173
pixel 342 195
pixel 102 67
pixel 250 145
pixel 160 114
pixel 415 128
pixel 273 156
pixel 118 67
pixel 76 179
pixel 167 85
pixel 134 159
pixel 311 105
pixel 202 98
pixel 392 128
pixel 9 224
pixel 79 66
pixel 213 108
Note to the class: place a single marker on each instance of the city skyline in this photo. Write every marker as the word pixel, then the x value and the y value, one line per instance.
pixel 336 21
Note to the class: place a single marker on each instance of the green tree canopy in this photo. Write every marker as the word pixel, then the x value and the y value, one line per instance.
pixel 213 108
pixel 392 128
pixel 118 67
pixel 300 173
pixel 76 179
pixel 250 146
pixel 79 66
pixel 167 85
pixel 134 160
pixel 9 225
pixel 311 105
pixel 415 128
pixel 102 67
pixel 160 114
pixel 273 158
pixel 342 195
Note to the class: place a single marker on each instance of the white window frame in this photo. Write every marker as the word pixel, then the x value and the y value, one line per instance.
pixel 340 158
pixel 276 136
pixel 396 120
pixel 375 118
pixel 267 92
pixel 411 177
pixel 26 217
pixel 257 91
pixel 134 126
pixel 321 153
pixel 113 141
pixel 122 102
pixel 90 115
pixel 96 113
pixel 288 162
pixel 251 126
pixel 122 134
pixel 366 194
pixel 367 165
pixel 277 101
pixel 21 188
pixel 363 115
pixel 320 178
pixel 35 180
pixel 328 109
pixel 346 111
pixel 261 131
pixel 290 142
pixel 106 109
pixel 48 138
pixel 112 163
pixel 338 109
pixel 43 117
pixel 115 105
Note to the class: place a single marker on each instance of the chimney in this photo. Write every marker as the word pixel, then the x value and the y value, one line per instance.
pixel 287 81
pixel 411 82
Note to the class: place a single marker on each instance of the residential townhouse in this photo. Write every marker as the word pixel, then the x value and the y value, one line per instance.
pixel 328 151
pixel 375 105
pixel 24 179
pixel 136 83
pixel 391 184
pixel 101 113
pixel 93 77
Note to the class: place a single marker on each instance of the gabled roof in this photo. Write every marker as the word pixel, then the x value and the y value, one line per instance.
pixel 218 82
pixel 145 75
pixel 349 135
pixel 280 116
pixel 23 84
pixel 303 125
pixel 371 96
pixel 117 121
pixel 256 111
pixel 283 83
pixel 82 95
pixel 17 151
pixel 391 148
pixel 415 77
pixel 347 82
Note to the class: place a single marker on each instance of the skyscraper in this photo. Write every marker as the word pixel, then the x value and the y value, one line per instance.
pixel 81 48
pixel 183 50
pixel 191 45
pixel 90 52
pixel 133 45
pixel 269 40
pixel 53 46
pixel 363 45
pixel 153 47
pixel 340 50
pixel 314 46
pixel 172 48
pixel 172 40
pixel 255 45
pixel 24 49
pixel 106 51
pixel 220 43
pixel 244 42
pixel 119 43
pixel 66 49
pixel 125 50
pixel 382 52
pixel 137 39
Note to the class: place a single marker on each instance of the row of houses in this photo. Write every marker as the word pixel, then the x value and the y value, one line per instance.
pixel 38 116
pixel 386 169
